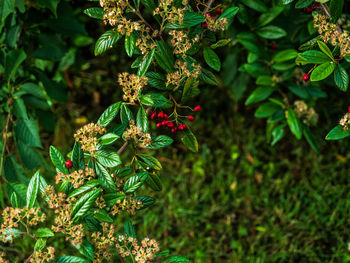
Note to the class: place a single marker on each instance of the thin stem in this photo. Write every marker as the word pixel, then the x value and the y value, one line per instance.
pixel 122 149
pixel 210 2
pixel 5 137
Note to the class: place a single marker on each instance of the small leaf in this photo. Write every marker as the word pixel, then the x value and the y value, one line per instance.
pixel 149 161
pixel 311 139
pixel 211 58
pixel 230 12
pixel 44 232
pixel 126 114
pixel 130 44
pixel 285 55
pixel 129 229
pixel 164 57
pixel 336 8
pixel 294 123
pixel 190 140
pixel 160 142
pixel 84 203
pixel 109 114
pixel 142 120
pixel 190 19
pixel 106 41
pixel 69 259
pixel 325 49
pixel 314 56
pixel 32 190
pixel 108 138
pixel 28 132
pixel 86 187
pixel 95 12
pixel 135 182
pixel 337 133
pixel 190 89
pixel 259 94
pixel 146 200
pixel 153 181
pixel 13 60
pixel 58 159
pixel 78 157
pixel 146 63
pixel 322 71
pixel 266 110
pixel 271 32
pixel 108 158
pixel 341 78
pixel 105 178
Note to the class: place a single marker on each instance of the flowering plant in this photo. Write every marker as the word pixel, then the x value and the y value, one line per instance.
pixel 94 186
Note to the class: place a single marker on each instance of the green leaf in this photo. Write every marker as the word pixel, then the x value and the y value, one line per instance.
pixel 155 100
pixel 78 157
pixel 112 198
pixel 341 78
pixel 95 12
pixel 135 182
pixel 336 8
pixel 277 134
pixel 129 229
pixel 11 233
pixel 337 133
pixel 325 49
pixel 160 142
pixel 14 200
pixel 125 114
pixel 32 190
pixel 19 109
pixel 86 249
pixel 102 216
pixel 142 120
pixel 108 158
pixel 13 60
pixel 221 43
pixel 190 140
pixel 285 55
pixel 265 81
pixel 106 41
pixel 164 57
pixel 28 131
pixel 314 56
pixel 270 15
pixel 271 32
pixel 149 161
pixel 146 200
pixel 109 114
pixel 86 187
pixel 154 181
pixel 303 3
pixel 256 5
pixel 266 110
pixel 69 259
pixel 145 63
pixel 6 7
pixel 130 44
pixel 211 58
pixel 29 155
pixel 259 94
pixel 177 259
pixel 322 71
pixel 58 159
pixel 40 244
pixel 105 178
pixel 20 190
pixel 190 89
pixel 44 232
pixel 52 5
pixel 157 80
pixel 190 19
pixel 229 12
pixel 311 139
pixel 108 138
pixel 294 123
pixel 208 77
pixel 84 203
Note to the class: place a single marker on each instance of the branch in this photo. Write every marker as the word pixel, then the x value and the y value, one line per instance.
pixel 210 2
pixel 122 149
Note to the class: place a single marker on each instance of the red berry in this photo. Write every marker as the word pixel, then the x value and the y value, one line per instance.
pixel 173 130
pixel 190 118
pixel 309 9
pixel 184 127
pixel 180 128
pixel 165 117
pixel 197 108
pixel 150 112
pixel 218 11
pixel 161 115
pixel 204 25
pixel 153 116
pixel 306 77
pixel 159 124
pixel 164 123
pixel 69 164
pixel 349 109
pixel 171 124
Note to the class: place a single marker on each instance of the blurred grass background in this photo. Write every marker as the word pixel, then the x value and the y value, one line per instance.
pixel 238 199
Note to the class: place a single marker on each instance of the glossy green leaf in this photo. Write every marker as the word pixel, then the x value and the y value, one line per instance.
pixel 337 133
pixel 285 55
pixel 43 232
pixel 325 49
pixel 78 157
pixel 266 110
pixel 95 12
pixel 108 138
pixel 13 60
pixel 129 229
pixel 86 187
pixel 311 139
pixel 109 114
pixel 153 181
pixel 314 56
pixel 146 200
pixel 322 71
pixel 130 44
pixel 190 19
pixel 146 63
pixel 32 190
pixel 142 119
pixel 336 8
pixel 341 78
pixel 28 131
pixel 135 182
pixel 108 158
pixel 149 161
pixel 58 159
pixel 259 94
pixel 271 32
pixel 104 176
pixel 294 123
pixel 106 41
pixel 164 56
pixel 190 89
pixel 190 140
pixel 84 203
pixel 160 142
pixel 211 58
pixel 126 114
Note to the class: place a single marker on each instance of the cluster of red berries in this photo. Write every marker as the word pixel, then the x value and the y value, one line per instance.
pixel 315 6
pixel 163 117
pixel 69 164
pixel 306 77
pixel 212 15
